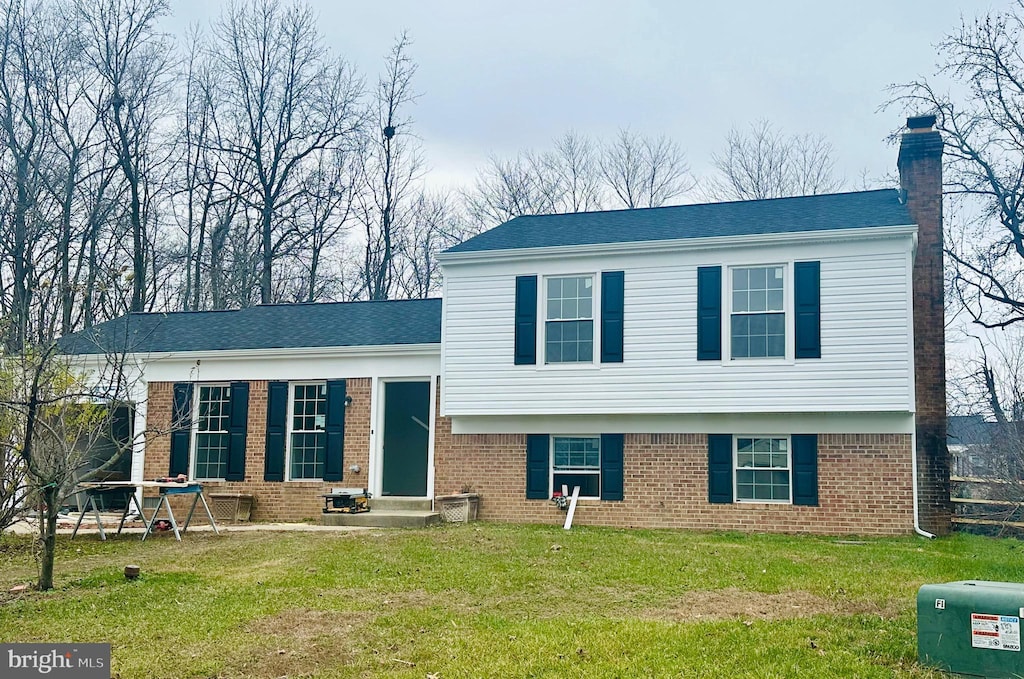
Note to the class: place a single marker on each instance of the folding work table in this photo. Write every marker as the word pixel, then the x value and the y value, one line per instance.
pixel 93 489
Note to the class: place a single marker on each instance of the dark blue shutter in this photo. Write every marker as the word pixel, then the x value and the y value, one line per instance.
pixel 807 286
pixel 526 320
pixel 612 303
pixel 805 469
pixel 237 427
pixel 611 466
pixel 277 428
pixel 334 425
pixel 538 448
pixel 720 468
pixel 181 429
pixel 709 313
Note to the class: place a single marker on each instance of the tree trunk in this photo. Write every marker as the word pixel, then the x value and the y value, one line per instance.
pixel 266 275
pixel 48 538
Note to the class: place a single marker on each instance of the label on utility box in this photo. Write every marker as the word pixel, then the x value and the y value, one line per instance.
pixel 998 632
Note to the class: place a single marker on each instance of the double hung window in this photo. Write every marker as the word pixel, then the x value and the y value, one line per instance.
pixel 307 437
pixel 569 324
pixel 576 461
pixel 213 412
pixel 762 469
pixel 758 318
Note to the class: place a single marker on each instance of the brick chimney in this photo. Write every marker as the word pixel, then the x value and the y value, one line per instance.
pixel 920 167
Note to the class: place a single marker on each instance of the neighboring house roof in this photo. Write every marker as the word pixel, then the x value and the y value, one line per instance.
pixel 828 212
pixel 975 430
pixel 343 324
pixel 968 430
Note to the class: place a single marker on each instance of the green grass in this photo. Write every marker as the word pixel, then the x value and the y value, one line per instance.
pixel 496 601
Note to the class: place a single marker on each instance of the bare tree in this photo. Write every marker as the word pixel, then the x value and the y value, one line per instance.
pixel 131 58
pixel 645 171
pixel 983 130
pixel 765 163
pixel 325 212
pixel 23 123
pixel 285 100
pixel 392 162
pixel 565 179
pixel 434 226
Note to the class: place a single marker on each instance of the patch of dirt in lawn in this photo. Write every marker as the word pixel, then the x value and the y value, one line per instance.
pixel 732 603
pixel 298 641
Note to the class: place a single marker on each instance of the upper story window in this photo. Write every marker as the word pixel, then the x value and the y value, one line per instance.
pixel 569 320
pixel 307 449
pixel 212 418
pixel 762 469
pixel 758 315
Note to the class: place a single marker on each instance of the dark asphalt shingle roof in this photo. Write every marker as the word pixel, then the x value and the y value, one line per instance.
pixel 754 217
pixel 348 324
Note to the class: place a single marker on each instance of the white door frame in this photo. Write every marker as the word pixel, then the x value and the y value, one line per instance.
pixel 377 395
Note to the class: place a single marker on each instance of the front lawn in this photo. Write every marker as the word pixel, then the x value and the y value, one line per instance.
pixel 489 600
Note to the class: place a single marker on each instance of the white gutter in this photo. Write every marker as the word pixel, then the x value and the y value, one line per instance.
pixel 913 465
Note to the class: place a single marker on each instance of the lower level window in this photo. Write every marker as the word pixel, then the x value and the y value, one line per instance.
pixel 762 469
pixel 213 410
pixel 576 461
pixel 307 439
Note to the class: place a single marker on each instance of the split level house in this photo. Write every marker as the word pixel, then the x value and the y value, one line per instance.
pixel 768 365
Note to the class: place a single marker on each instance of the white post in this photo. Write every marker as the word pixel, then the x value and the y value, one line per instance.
pixel 572 507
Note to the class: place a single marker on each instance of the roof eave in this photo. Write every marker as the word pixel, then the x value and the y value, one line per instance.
pixel 421 349
pixel 677 244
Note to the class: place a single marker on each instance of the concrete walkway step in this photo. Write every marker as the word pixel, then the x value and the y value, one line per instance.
pixel 390 503
pixel 382 518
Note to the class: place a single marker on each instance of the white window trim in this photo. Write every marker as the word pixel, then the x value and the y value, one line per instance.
pixel 595 318
pixel 787 310
pixel 736 468
pixel 289 430
pixel 194 443
pixel 551 465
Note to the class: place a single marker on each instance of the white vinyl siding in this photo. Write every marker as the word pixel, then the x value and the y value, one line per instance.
pixel 866 363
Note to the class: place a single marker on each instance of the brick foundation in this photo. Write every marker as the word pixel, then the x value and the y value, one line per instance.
pixel 863 485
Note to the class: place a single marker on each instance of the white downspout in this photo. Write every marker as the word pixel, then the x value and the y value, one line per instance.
pixel 913 465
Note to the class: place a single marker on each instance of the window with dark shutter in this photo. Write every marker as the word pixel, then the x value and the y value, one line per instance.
pixel 237 427
pixel 805 469
pixel 334 460
pixel 720 468
pixel 709 313
pixel 526 320
pixel 612 307
pixel 181 429
pixel 807 293
pixel 277 428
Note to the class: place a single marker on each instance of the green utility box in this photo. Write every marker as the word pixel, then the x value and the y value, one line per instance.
pixel 971 627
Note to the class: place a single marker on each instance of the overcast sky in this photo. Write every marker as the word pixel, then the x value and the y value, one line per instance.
pixel 497 77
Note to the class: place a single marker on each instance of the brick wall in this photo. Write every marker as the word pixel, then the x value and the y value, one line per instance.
pixel 863 480
pixel 275 501
pixel 920 166
pixel 863 485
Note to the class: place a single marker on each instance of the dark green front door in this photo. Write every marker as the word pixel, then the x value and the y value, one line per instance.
pixel 406 438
